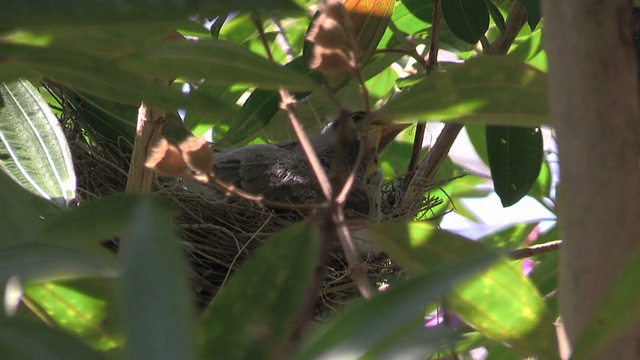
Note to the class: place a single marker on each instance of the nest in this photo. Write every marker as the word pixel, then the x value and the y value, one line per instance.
pixel 220 232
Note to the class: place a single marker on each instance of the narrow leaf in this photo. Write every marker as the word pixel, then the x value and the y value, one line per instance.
pixel 496 15
pixel 73 12
pixel 35 262
pixel 252 315
pixel 154 294
pixel 94 75
pixel 28 211
pixel 28 340
pixel 95 221
pixel 500 303
pixel 366 328
pixel 219 62
pixel 488 89
pixel 468 20
pixel 33 148
pixel 515 158
pixel 534 12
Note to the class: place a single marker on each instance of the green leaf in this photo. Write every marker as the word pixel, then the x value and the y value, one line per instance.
pixel 534 12
pixel 515 158
pixel 252 315
pixel 24 222
pixel 154 294
pixel 82 307
pixel 95 221
pixel 500 303
pixel 258 111
pixel 74 12
pixel 26 340
pixel 97 76
pixel 510 238
pixel 496 15
pixel 617 313
pixel 478 137
pixel 219 62
pixel 494 90
pixel 35 262
pixel 468 20
pixel 33 148
pixel 369 328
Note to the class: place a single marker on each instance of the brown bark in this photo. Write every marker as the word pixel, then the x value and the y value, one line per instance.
pixel 148 133
pixel 593 99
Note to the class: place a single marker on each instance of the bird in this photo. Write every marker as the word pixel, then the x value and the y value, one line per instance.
pixel 281 173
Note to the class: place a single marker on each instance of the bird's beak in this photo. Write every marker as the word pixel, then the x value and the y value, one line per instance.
pixel 385 132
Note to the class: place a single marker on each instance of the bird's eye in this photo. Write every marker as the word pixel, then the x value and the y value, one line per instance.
pixel 357 117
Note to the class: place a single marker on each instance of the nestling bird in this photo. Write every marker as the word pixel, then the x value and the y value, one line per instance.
pixel 280 172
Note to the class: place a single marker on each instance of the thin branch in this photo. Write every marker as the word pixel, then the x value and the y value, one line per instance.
pixel 281 39
pixel 430 165
pixel 535 250
pixel 430 65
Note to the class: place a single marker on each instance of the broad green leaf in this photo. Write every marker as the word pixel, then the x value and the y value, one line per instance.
pixel 510 238
pixel 258 110
pixel 492 90
pixel 84 308
pixel 97 76
pixel 252 316
pixel 219 62
pixel 35 262
pixel 541 189
pixel 23 223
pixel 500 303
pixel 74 12
pixel 515 158
pixel 105 40
pixel 33 148
pixel 368 329
pixel 30 340
pixel 95 221
pixel 153 290
pixel 478 137
pixel 617 313
pixel 469 20
pixel 534 12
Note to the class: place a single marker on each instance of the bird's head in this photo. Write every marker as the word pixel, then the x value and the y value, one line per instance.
pixel 351 129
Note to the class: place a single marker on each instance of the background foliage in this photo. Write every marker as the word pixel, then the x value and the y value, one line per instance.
pixel 67 296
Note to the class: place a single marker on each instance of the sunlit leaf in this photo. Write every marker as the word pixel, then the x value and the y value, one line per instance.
pixel 94 75
pixel 488 89
pixel 369 328
pixel 500 303
pixel 33 148
pixel 219 62
pixel 84 308
pixel 252 315
pixel 515 158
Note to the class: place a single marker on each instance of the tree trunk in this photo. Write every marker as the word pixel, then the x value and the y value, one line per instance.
pixel 593 99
